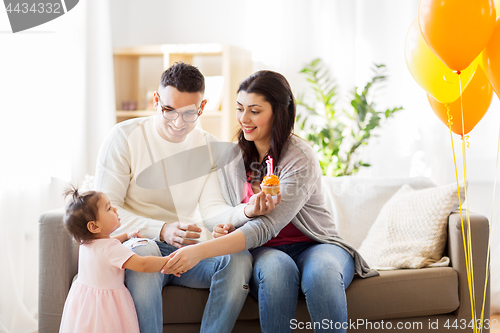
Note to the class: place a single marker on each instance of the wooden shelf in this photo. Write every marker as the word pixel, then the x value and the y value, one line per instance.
pixel 147 113
pixel 138 71
pixel 161 49
pixel 135 113
pixel 212 114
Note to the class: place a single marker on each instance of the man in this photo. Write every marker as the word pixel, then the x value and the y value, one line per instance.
pixel 156 171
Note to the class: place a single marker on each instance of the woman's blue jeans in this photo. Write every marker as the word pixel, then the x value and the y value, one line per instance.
pixel 226 276
pixel 321 271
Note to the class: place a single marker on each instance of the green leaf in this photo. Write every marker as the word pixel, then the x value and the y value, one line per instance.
pixel 360 120
pixel 315 62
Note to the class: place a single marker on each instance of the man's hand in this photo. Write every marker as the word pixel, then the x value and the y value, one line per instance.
pixel 182 260
pixel 261 204
pixel 176 233
pixel 222 229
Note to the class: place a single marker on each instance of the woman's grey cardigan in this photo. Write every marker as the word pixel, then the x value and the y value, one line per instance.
pixel 302 200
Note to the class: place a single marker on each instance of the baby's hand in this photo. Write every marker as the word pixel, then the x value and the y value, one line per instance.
pixel 135 234
pixel 163 269
pixel 182 260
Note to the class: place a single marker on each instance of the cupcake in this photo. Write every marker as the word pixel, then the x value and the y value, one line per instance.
pixel 271 183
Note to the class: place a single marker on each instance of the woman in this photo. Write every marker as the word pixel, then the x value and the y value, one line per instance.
pixel 296 246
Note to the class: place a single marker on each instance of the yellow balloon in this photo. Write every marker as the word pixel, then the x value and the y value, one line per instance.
pixel 430 72
pixel 497 7
pixel 475 101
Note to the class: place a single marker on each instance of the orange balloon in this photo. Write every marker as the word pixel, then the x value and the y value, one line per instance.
pixel 456 30
pixel 491 59
pixel 476 100
pixel 430 72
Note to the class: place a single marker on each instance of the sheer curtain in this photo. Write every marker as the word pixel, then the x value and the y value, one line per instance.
pixel 57 103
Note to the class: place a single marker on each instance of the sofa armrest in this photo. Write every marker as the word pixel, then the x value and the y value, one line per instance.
pixel 479 238
pixel 58 261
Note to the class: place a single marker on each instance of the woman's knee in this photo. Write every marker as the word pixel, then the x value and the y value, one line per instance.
pixel 329 279
pixel 323 281
pixel 327 262
pixel 276 269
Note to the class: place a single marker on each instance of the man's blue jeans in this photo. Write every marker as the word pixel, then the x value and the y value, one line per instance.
pixel 321 271
pixel 226 276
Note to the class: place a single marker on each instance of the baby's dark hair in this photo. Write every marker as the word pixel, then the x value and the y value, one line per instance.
pixel 80 210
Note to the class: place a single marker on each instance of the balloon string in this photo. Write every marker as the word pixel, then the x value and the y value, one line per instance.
pixel 492 223
pixel 450 117
pixel 466 239
pixel 466 252
pixel 469 237
pixel 466 139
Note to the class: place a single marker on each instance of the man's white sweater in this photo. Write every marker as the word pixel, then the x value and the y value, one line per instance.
pixel 152 181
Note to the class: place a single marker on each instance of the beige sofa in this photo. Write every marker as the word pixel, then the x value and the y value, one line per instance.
pixel 409 300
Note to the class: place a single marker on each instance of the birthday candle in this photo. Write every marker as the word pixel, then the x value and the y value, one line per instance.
pixel 269 163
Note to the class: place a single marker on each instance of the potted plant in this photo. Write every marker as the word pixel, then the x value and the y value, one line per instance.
pixel 338 135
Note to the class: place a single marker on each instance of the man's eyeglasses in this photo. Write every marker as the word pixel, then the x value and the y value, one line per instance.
pixel 189 116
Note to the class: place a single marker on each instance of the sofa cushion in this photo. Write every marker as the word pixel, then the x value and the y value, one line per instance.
pixel 411 229
pixel 186 305
pixel 393 294
pixel 356 202
pixel 404 293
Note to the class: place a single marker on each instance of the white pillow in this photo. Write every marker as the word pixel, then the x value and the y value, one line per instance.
pixel 355 202
pixel 411 229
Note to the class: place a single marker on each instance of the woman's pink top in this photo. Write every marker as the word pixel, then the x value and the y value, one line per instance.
pixel 288 235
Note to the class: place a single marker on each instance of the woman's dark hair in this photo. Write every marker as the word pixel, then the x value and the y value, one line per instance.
pixel 183 77
pixel 277 91
pixel 80 210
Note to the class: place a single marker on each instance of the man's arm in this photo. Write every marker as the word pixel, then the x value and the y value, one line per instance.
pixel 113 174
pixel 214 209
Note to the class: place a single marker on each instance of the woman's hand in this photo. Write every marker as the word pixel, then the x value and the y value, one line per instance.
pixel 222 230
pixel 261 204
pixel 182 260
pixel 176 274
